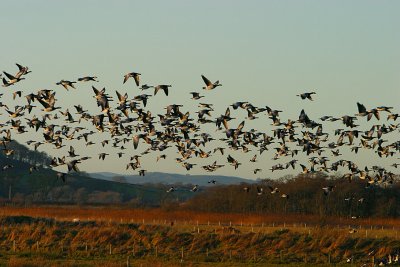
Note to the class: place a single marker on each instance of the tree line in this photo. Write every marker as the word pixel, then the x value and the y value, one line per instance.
pixel 305 196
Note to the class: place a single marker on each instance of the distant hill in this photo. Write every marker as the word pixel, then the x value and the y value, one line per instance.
pixel 43 185
pixel 171 178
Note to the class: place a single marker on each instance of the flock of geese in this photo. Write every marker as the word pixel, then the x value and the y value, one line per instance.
pixel 128 125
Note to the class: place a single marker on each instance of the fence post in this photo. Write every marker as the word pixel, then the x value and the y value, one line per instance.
pixel 37 245
pixel 14 246
pixel 182 254
pixel 156 251
pixel 128 262
pixel 110 250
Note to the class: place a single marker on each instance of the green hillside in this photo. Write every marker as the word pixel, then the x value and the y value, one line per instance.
pixel 43 185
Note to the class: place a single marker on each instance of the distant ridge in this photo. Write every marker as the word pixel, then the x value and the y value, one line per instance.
pixel 172 178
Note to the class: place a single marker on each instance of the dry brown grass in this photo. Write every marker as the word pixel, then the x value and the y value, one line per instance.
pixel 227 238
pixel 48 242
pixel 159 216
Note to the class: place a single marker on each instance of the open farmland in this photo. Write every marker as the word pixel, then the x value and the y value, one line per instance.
pixel 74 236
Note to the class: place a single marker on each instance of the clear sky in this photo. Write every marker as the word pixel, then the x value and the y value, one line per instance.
pixel 264 52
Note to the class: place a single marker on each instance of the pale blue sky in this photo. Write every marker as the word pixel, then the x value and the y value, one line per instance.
pixel 264 52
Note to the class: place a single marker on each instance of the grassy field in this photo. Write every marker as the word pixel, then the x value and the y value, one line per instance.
pixel 49 236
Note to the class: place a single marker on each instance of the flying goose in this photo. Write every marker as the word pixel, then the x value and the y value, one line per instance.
pixel 22 70
pixel 87 79
pixel 134 75
pixel 210 85
pixel 145 87
pixel 103 155
pixel 195 95
pixel 194 188
pixel 256 170
pixel 273 190
pixel 73 165
pixel 163 87
pixel 171 189
pixel 12 80
pixel 306 95
pixel 71 152
pixel 66 84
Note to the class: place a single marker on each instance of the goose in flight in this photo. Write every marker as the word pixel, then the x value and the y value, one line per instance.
pixel 171 189
pixel 73 165
pixel 48 103
pixel 306 95
pixel 87 79
pixel 145 87
pixel 134 75
pixel 17 93
pixel 163 87
pixel 103 155
pixel 273 190
pixel 71 152
pixel 6 167
pixel 22 70
pixel 209 84
pixel 66 84
pixel 163 156
pixel 256 170
pixel 195 188
pixel 195 95
pixel 12 80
